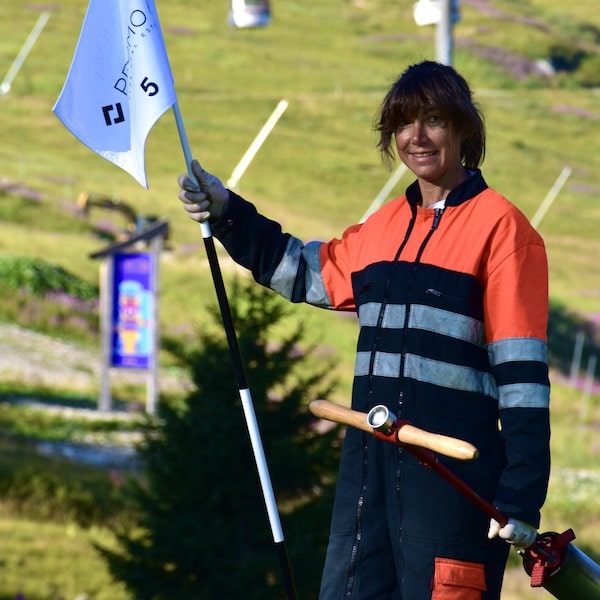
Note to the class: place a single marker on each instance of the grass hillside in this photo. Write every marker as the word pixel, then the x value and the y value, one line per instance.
pixel 319 170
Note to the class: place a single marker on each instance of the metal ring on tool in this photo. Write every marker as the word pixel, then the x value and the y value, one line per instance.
pixel 381 419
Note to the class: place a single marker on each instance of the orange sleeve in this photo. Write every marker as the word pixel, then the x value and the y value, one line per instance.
pixel 337 267
pixel 516 290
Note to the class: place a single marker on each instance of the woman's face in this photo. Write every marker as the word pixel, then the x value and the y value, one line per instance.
pixel 430 148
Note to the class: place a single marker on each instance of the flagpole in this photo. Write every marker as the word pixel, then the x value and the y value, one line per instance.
pixel 116 127
pixel 240 375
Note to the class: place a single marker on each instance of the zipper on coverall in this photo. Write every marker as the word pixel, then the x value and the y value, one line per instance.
pixel 400 405
pixel 361 498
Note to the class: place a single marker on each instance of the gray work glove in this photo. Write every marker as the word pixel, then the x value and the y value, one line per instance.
pixel 205 199
pixel 515 532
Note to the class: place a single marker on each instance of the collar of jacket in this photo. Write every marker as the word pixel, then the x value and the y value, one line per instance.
pixel 474 185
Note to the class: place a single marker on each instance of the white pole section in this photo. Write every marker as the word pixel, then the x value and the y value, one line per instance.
pixel 550 196
pixel 256 144
pixel 20 59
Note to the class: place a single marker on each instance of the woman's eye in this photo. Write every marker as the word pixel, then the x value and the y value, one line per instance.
pixel 436 121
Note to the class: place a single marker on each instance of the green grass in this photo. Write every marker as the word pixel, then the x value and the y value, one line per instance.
pixel 36 422
pixel 47 561
pixel 317 172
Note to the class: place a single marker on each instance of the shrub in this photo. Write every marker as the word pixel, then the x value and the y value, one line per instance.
pixel 201 529
pixel 40 278
pixel 48 298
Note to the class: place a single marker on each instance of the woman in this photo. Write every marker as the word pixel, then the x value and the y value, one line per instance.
pixel 450 285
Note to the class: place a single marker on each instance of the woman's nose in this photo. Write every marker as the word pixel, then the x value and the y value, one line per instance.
pixel 417 132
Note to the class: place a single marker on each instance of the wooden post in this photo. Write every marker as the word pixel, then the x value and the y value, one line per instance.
pixel 152 384
pixel 106 294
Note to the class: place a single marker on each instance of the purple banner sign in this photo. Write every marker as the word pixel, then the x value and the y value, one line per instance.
pixel 133 310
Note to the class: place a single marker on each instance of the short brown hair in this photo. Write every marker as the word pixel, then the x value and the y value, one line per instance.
pixel 431 85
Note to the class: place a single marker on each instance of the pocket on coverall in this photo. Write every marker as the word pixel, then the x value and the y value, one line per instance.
pixel 457 580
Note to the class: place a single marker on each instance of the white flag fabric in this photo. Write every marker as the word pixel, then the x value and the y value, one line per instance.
pixel 119 82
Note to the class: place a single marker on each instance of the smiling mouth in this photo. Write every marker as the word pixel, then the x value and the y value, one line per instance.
pixel 422 154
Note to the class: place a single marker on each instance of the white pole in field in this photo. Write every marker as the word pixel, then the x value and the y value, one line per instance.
pixel 587 387
pixel 551 195
pixel 575 363
pixel 385 191
pixel 256 144
pixel 20 59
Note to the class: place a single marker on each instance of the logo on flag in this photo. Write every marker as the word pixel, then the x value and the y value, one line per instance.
pixel 119 83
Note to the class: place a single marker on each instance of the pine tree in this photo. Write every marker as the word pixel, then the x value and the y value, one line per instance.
pixel 200 524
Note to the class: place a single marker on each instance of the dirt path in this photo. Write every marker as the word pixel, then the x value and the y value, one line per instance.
pixel 36 359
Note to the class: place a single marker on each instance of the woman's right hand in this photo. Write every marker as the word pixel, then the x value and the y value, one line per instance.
pixel 203 198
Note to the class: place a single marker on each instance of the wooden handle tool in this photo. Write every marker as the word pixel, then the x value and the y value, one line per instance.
pixel 405 434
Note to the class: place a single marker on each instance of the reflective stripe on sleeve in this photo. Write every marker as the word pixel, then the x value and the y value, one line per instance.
pixel 284 277
pixel 524 395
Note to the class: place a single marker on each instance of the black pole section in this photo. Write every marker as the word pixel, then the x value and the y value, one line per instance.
pixel 236 356
pixel 240 375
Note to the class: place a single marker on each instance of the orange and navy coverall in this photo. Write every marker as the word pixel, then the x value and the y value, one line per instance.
pixel 452 305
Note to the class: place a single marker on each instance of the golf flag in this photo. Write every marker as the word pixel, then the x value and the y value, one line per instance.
pixel 119 83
